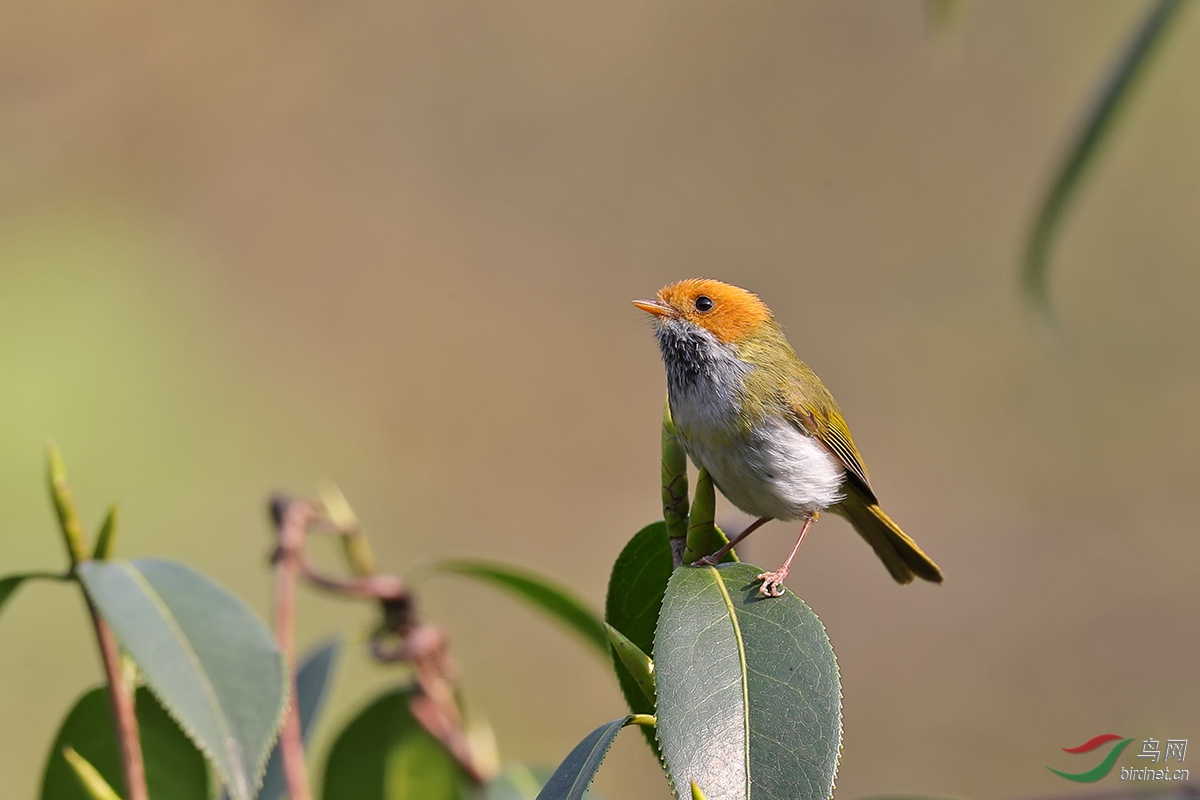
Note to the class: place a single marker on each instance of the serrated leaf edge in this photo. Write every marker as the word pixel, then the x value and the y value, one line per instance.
pixel 287 682
pixel 662 760
pixel 575 783
pixel 261 767
pixel 188 731
pixel 620 723
pixel 837 669
pixel 190 654
pixel 662 757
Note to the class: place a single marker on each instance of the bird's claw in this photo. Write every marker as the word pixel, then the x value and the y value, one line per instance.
pixel 772 584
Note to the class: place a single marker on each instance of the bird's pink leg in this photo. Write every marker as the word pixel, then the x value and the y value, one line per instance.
pixel 772 582
pixel 715 558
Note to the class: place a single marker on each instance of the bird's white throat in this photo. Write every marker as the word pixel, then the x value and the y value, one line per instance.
pixel 773 469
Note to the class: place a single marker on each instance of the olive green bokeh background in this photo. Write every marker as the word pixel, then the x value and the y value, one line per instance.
pixel 250 246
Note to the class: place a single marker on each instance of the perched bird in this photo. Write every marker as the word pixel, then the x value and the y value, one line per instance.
pixel 764 426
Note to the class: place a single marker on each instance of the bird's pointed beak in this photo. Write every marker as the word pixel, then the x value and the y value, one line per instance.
pixel 655 307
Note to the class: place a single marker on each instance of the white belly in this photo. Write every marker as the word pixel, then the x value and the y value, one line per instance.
pixel 775 471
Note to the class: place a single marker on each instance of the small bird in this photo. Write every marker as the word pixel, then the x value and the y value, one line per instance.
pixel 770 434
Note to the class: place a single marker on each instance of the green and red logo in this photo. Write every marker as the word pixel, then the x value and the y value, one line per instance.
pixel 1104 767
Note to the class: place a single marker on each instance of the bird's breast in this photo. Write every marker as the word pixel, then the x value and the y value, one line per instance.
pixel 767 467
pixel 771 470
pixel 762 463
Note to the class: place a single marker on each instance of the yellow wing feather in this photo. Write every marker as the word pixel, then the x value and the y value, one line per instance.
pixel 799 393
pixel 815 410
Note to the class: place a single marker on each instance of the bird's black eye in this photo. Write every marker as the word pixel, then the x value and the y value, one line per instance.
pixel 704 304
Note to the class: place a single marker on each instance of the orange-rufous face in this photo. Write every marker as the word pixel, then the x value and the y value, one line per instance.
pixel 725 311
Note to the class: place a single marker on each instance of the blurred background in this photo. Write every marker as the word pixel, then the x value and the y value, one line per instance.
pixel 250 246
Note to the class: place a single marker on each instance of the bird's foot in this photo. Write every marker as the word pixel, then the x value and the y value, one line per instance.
pixel 707 561
pixel 772 583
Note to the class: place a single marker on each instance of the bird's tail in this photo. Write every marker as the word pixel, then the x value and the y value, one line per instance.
pixel 900 554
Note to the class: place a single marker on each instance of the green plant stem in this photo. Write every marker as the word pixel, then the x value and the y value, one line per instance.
pixel 120 694
pixel 702 529
pixel 292 518
pixel 674 486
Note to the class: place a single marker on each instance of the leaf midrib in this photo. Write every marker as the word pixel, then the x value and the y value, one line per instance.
pixel 194 660
pixel 606 736
pixel 742 673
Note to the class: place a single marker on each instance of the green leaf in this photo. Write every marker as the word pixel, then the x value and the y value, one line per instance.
pixel 354 542
pixel 570 781
pixel 537 591
pixel 635 593
pixel 64 506
pixel 8 586
pixel 1115 89
pixel 206 655
pixel 92 781
pixel 636 662
pixel 697 792
pixel 314 676
pixel 175 769
pixel 520 782
pixel 385 754
pixel 10 583
pixel 749 700
pixel 107 537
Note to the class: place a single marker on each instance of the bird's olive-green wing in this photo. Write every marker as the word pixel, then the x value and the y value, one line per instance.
pixel 799 392
pixel 816 411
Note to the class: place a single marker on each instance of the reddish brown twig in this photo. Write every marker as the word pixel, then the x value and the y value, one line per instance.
pixel 400 636
pixel 384 588
pixel 436 707
pixel 120 698
pixel 427 649
pixel 120 694
pixel 291 521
